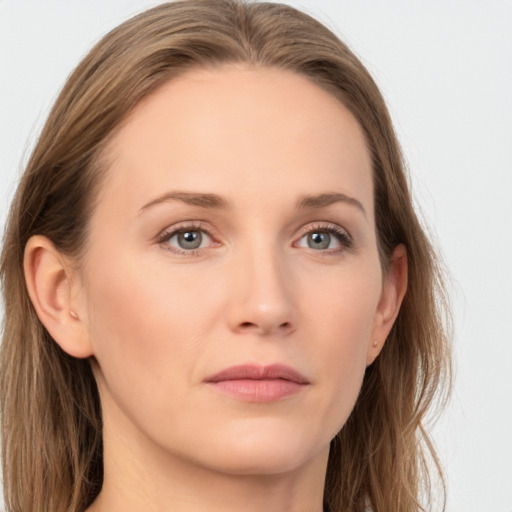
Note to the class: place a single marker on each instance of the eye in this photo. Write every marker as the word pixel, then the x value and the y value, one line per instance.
pixel 329 238
pixel 318 240
pixel 190 239
pixel 186 239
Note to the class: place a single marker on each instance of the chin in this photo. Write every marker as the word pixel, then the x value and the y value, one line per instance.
pixel 263 451
pixel 259 463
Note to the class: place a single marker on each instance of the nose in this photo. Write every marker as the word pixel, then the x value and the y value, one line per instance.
pixel 262 298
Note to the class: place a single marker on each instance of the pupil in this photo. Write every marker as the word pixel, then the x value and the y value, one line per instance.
pixel 190 239
pixel 319 240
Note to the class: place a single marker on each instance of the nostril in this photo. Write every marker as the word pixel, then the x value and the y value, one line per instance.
pixel 250 326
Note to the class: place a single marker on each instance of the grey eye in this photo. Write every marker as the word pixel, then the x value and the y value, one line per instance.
pixel 318 240
pixel 186 239
pixel 189 240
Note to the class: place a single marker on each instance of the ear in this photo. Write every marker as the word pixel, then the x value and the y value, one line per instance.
pixel 393 291
pixel 51 283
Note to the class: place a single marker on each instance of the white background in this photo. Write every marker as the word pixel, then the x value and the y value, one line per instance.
pixel 445 68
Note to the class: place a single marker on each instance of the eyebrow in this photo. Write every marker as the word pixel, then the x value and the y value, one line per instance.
pixel 326 199
pixel 215 201
pixel 191 198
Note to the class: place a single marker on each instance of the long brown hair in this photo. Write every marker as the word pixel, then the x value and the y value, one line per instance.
pixel 51 415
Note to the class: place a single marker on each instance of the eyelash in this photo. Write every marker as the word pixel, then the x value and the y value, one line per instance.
pixel 343 237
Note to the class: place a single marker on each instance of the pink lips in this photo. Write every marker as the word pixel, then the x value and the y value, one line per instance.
pixel 255 383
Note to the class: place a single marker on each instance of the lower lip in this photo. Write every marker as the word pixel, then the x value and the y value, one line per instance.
pixel 261 390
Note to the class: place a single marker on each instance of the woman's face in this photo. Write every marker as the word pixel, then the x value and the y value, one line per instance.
pixel 232 289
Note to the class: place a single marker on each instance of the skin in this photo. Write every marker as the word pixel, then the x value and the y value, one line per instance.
pixel 158 319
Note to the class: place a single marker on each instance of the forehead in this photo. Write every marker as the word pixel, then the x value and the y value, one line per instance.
pixel 256 128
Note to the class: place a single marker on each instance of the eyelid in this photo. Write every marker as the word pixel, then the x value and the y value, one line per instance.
pixel 324 226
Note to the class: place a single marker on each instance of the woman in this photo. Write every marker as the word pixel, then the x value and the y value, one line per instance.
pixel 217 291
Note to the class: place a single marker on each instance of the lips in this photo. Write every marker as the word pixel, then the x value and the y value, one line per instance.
pixel 254 383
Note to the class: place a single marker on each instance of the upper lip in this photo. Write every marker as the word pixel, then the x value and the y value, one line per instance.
pixel 258 372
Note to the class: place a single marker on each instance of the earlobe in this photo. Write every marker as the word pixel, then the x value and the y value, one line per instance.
pixel 48 276
pixel 393 291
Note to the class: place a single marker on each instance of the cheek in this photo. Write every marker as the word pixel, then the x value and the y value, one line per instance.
pixel 144 325
pixel 343 308
pixel 341 320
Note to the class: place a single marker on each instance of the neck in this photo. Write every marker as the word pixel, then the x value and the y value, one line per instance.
pixel 185 487
pixel 141 476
